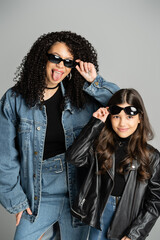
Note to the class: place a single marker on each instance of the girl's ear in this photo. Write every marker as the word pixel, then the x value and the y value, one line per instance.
pixel 140 116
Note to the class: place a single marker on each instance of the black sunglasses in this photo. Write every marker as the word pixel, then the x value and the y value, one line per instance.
pixel 56 59
pixel 130 110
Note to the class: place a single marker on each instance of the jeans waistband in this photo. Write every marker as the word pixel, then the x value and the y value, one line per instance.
pixel 54 164
pixel 62 156
pixel 114 200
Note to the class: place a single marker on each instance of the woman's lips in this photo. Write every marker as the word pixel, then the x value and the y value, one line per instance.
pixel 57 74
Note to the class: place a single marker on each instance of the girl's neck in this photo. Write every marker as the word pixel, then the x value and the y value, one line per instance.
pixel 122 141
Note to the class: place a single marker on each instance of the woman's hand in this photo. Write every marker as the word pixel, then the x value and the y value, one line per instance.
pixel 87 70
pixel 101 113
pixel 19 215
pixel 125 238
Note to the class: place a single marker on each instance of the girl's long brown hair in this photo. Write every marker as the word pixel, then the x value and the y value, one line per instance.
pixel 137 146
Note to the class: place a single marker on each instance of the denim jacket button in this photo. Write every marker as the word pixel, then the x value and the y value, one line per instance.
pixel 34 175
pixel 35 153
pixel 96 83
pixel 35 198
pixel 38 128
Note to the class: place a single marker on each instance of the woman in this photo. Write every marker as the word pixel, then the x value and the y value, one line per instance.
pixel 57 89
pixel 120 196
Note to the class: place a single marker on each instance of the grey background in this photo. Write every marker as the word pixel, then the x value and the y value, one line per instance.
pixel 126 34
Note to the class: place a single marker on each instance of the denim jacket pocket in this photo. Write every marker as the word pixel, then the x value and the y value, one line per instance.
pixel 76 131
pixel 23 137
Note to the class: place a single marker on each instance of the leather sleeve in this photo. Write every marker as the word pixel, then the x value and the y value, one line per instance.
pixel 77 154
pixel 150 212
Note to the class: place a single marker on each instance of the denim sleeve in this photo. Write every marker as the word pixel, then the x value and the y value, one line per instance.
pixel 12 196
pixel 100 89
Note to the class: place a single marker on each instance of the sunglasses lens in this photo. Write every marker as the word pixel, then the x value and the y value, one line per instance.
pixel 53 58
pixel 114 110
pixel 56 59
pixel 131 110
pixel 69 63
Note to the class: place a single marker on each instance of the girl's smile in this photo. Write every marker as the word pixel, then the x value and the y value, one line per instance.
pixel 124 125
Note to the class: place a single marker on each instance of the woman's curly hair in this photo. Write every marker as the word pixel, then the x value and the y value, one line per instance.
pixel 137 146
pixel 30 75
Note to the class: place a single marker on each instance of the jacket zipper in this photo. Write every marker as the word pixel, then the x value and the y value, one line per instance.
pixel 82 202
pixel 82 216
pixel 110 190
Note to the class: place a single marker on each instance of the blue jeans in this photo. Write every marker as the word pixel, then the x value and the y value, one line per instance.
pixel 54 207
pixel 106 218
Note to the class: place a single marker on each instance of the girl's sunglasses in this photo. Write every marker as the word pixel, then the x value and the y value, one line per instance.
pixel 130 110
pixel 56 59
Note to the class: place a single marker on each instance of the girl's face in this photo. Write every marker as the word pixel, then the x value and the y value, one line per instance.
pixel 55 73
pixel 124 125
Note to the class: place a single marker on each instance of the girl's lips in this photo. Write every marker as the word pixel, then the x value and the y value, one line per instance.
pixel 122 129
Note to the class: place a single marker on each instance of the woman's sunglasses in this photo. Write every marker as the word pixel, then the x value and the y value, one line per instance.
pixel 130 110
pixel 56 59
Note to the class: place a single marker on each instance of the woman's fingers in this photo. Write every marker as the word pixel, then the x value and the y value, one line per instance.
pixel 29 211
pixel 81 63
pixel 87 70
pixel 19 215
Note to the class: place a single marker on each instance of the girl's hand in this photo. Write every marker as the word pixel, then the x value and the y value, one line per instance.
pixel 125 238
pixel 19 215
pixel 101 113
pixel 87 70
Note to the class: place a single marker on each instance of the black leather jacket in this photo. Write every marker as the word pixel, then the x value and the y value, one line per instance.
pixel 139 206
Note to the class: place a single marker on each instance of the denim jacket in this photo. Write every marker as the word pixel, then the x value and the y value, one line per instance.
pixel 22 137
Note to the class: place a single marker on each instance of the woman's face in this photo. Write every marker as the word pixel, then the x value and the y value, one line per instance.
pixel 55 73
pixel 124 125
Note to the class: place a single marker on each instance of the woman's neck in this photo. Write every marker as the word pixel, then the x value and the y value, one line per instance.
pixel 48 93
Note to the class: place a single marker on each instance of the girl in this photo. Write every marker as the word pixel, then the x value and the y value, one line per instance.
pixel 120 195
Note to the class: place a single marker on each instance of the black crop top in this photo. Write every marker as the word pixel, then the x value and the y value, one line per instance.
pixel 55 139
pixel 120 154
